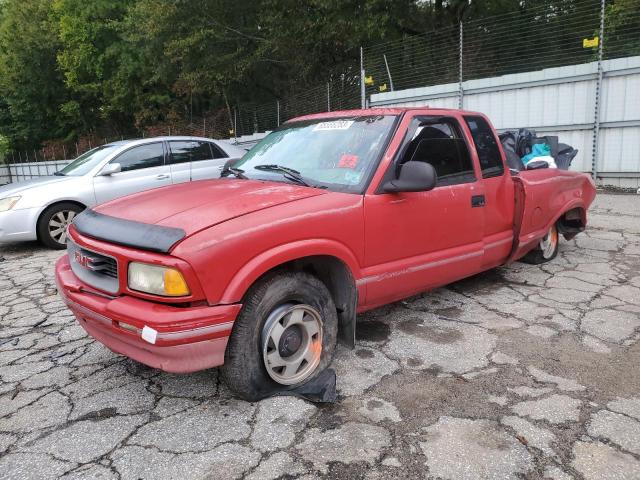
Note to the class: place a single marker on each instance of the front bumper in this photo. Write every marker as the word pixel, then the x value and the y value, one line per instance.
pixel 18 225
pixel 184 339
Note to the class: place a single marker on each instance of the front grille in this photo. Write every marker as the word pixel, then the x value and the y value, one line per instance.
pixel 101 264
pixel 93 268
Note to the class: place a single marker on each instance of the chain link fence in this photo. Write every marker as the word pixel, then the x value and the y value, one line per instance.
pixel 549 35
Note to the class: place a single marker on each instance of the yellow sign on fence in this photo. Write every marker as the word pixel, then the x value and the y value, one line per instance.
pixel 368 80
pixel 590 42
pixel 383 87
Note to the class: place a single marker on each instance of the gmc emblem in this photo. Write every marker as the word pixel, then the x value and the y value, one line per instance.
pixel 82 260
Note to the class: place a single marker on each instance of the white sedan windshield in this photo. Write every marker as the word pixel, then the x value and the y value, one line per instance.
pixel 338 154
pixel 87 161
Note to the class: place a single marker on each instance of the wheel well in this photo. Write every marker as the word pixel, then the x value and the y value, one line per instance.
pixel 79 204
pixel 337 277
pixel 572 222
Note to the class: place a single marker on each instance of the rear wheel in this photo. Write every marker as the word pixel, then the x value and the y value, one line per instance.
pixel 53 223
pixel 284 336
pixel 546 250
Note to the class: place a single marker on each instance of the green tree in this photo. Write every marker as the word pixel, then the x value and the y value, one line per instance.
pixel 31 86
pixel 89 56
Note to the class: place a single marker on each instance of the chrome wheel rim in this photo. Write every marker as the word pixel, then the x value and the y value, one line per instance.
pixel 292 343
pixel 549 242
pixel 59 223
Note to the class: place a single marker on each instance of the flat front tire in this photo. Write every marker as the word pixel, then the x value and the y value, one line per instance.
pixel 546 250
pixel 283 337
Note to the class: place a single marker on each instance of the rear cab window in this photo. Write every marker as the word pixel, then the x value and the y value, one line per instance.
pixel 486 145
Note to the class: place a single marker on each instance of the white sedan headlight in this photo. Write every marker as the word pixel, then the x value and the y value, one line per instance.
pixel 157 280
pixel 8 203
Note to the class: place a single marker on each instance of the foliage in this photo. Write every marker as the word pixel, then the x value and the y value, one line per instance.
pixel 31 86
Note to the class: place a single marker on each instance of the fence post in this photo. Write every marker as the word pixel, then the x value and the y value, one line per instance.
pixel 46 165
pixel 35 160
pixel 363 94
pixel 596 113
pixel 278 111
pixel 386 64
pixel 204 126
pixel 235 125
pixel 328 98
pixel 13 160
pixel 460 50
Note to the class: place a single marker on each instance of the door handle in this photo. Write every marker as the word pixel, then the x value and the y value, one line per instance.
pixel 477 201
pixel 162 176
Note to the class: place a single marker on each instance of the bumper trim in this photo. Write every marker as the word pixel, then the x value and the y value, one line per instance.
pixel 188 339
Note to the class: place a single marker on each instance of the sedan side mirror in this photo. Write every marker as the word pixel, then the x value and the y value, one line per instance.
pixel 414 177
pixel 110 169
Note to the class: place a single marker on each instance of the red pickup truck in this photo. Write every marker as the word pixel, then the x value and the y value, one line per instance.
pixel 263 270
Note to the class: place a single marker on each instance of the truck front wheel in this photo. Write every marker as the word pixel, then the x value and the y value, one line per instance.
pixel 284 336
pixel 546 250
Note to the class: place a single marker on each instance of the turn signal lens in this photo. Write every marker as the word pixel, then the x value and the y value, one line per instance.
pixel 157 280
pixel 174 284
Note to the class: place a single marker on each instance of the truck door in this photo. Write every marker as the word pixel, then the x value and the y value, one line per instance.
pixel 420 240
pixel 498 192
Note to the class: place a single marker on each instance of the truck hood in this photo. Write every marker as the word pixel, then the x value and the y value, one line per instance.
pixel 195 206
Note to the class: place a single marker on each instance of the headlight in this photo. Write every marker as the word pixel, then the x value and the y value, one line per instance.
pixel 8 203
pixel 157 280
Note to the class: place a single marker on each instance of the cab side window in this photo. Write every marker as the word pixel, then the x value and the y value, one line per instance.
pixel 439 142
pixel 486 146
pixel 143 156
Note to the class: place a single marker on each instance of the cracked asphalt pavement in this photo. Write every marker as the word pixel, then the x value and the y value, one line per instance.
pixel 520 372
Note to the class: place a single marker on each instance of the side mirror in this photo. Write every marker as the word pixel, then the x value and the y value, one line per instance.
pixel 414 177
pixel 110 169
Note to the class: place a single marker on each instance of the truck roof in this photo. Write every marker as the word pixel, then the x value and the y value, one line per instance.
pixel 375 110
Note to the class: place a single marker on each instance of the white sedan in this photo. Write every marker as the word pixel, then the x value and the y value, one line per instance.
pixel 43 208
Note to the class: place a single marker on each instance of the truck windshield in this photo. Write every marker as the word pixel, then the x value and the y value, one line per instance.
pixel 87 161
pixel 336 153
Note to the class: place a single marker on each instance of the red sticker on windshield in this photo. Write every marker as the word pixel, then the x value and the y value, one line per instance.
pixel 348 161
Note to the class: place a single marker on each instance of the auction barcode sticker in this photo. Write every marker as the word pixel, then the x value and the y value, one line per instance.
pixel 334 125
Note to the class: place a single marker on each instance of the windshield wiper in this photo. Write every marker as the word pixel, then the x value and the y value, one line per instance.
pixel 236 172
pixel 59 174
pixel 289 174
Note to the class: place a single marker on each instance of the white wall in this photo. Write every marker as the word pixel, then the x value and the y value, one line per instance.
pixel 18 172
pixel 556 101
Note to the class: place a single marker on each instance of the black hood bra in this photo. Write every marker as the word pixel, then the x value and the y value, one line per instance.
pixel 144 236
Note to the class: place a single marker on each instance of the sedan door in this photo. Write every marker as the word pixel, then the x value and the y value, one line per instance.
pixel 142 168
pixel 195 160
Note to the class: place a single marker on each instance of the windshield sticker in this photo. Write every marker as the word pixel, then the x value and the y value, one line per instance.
pixel 352 178
pixel 348 161
pixel 333 125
